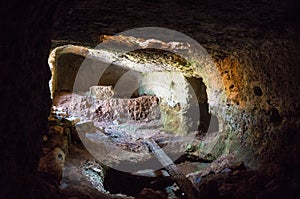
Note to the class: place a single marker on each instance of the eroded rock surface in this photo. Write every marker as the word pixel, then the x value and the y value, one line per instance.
pixel 144 108
pixel 254 47
pixel 255 43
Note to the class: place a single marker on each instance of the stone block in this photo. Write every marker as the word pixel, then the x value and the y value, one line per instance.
pixel 101 92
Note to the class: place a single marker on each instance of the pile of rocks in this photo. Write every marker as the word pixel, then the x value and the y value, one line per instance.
pixel 56 144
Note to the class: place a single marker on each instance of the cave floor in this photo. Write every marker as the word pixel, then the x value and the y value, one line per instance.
pixel 75 182
pixel 79 174
pixel 117 128
pixel 84 176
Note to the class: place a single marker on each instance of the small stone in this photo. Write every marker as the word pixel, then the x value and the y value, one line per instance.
pixel 97 170
pixel 45 138
pixel 59 130
pixel 72 120
pixel 226 170
pixel 52 163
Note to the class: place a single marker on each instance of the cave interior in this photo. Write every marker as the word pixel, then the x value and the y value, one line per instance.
pixel 150 99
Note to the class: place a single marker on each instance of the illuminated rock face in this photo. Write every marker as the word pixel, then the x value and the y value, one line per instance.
pixel 137 73
pixel 85 107
pixel 176 100
pixel 101 92
pixel 248 106
pixel 255 52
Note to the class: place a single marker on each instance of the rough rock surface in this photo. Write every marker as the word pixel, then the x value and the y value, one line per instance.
pixel 255 43
pixel 227 105
pixel 253 52
pixel 85 107
pixel 101 92
pixel 53 163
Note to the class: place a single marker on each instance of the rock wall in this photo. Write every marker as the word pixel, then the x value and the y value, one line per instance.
pixel 88 108
pixel 178 105
pixel 257 41
pixel 25 96
pixel 254 46
pixel 262 114
pixel 182 104
pixel 66 61
pixel 247 104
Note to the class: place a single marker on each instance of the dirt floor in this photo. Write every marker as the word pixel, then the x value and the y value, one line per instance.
pixel 81 170
pixel 83 175
pixel 67 159
pixel 79 175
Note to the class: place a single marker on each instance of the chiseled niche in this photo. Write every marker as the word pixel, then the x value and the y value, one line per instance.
pixel 190 91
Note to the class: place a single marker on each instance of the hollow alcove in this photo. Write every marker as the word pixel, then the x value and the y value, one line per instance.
pixel 251 100
pixel 138 111
pixel 124 107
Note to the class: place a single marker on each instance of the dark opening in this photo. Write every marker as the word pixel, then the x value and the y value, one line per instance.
pixel 122 182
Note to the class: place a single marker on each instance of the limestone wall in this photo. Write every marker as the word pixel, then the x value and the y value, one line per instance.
pixel 254 44
pixel 177 99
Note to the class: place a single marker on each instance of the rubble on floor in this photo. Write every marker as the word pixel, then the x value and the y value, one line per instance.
pixel 66 164
pixel 79 175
